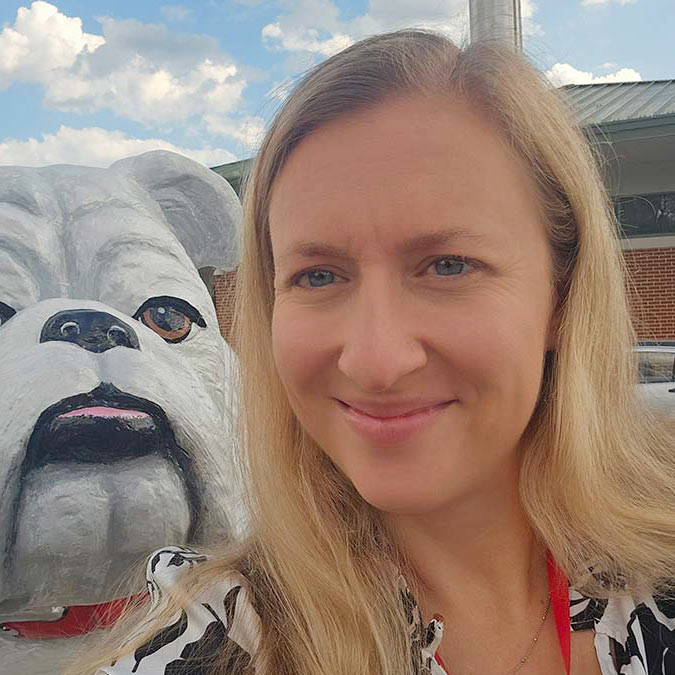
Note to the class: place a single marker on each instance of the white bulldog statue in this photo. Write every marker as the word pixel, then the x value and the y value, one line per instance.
pixel 115 411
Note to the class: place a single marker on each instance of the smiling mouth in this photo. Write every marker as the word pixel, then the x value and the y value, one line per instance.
pixel 393 429
pixel 395 415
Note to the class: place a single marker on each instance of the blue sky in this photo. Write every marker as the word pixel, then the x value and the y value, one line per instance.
pixel 90 81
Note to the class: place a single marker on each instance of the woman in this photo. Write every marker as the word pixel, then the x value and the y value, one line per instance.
pixel 437 396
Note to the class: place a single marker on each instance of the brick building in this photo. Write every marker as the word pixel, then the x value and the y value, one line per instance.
pixel 632 125
pixel 222 285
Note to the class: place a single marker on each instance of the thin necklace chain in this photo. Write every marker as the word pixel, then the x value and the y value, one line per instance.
pixel 533 644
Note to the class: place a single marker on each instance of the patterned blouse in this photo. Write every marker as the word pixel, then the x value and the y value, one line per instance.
pixel 633 635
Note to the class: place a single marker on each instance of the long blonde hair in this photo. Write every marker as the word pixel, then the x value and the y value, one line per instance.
pixel 597 475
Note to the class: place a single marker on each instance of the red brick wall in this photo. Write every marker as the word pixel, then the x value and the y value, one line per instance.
pixel 651 291
pixel 223 290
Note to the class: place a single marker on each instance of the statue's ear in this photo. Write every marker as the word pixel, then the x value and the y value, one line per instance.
pixel 201 208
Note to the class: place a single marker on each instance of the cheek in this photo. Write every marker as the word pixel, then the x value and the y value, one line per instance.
pixel 496 346
pixel 299 350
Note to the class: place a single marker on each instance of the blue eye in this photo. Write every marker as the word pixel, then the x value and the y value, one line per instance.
pixel 449 266
pixel 318 278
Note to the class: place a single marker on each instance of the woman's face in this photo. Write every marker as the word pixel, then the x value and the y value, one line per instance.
pixel 413 299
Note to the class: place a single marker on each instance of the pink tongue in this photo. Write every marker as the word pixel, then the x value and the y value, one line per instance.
pixel 104 411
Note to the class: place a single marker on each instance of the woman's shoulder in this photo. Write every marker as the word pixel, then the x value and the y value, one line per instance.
pixel 213 617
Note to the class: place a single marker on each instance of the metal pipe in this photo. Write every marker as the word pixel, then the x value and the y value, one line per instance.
pixel 496 20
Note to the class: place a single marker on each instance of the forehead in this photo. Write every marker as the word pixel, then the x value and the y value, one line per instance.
pixel 111 244
pixel 30 248
pixel 101 205
pixel 72 227
pixel 403 165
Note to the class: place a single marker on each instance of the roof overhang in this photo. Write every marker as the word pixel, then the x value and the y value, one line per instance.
pixel 644 128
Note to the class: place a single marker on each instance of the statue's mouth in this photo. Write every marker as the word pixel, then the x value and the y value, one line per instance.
pixel 124 449
pixel 104 426
pixel 101 426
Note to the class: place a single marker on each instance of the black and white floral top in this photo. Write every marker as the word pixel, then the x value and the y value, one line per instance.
pixel 633 635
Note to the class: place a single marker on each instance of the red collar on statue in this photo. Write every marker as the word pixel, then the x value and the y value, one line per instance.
pixel 560 603
pixel 82 619
pixel 75 621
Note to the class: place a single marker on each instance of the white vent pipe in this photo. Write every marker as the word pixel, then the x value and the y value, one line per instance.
pixel 496 20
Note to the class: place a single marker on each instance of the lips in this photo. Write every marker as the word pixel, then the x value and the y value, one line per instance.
pixel 104 411
pixel 394 423
pixel 391 410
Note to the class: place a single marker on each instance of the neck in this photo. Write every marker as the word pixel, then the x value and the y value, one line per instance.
pixel 481 547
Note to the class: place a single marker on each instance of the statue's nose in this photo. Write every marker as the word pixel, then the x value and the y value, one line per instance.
pixel 90 329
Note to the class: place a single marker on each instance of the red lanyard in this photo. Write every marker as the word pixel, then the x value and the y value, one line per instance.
pixel 560 602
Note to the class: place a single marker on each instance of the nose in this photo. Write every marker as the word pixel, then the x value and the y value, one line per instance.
pixel 382 343
pixel 92 330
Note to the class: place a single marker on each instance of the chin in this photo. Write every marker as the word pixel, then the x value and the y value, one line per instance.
pixel 398 499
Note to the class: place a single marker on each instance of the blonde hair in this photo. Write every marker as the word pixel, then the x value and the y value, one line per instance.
pixel 597 475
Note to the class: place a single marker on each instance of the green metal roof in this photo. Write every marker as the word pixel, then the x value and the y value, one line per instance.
pixel 611 111
pixel 234 172
pixel 612 102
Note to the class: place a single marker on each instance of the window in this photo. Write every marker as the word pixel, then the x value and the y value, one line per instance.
pixel 656 367
pixel 646 215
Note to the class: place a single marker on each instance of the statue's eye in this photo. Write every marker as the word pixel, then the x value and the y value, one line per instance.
pixel 6 313
pixel 171 318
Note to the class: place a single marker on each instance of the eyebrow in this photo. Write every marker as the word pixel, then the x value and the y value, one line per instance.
pixel 437 238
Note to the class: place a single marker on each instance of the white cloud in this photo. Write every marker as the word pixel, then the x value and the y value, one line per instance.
pixel 528 9
pixel 597 3
pixel 563 73
pixel 316 27
pixel 149 74
pixel 176 13
pixel 449 16
pixel 305 40
pixel 95 147
pixel 308 26
pixel 141 72
pixel 248 131
pixel 41 43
